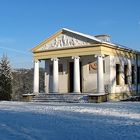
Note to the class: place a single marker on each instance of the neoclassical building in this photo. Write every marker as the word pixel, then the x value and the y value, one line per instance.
pixel 77 63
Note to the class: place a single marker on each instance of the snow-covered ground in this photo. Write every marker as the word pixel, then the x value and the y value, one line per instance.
pixel 61 121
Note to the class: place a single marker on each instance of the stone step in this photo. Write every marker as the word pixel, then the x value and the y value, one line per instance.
pixel 37 98
pixel 71 98
pixel 54 100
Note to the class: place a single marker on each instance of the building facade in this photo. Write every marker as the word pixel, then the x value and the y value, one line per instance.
pixel 83 64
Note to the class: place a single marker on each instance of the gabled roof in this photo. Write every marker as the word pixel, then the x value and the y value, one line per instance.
pixel 63 30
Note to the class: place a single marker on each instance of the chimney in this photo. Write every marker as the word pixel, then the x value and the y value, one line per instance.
pixel 105 38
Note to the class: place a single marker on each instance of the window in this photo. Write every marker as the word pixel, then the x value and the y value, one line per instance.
pixel 51 69
pixel 133 74
pixel 60 69
pixel 117 74
pixel 138 74
pixel 126 74
pixel 104 66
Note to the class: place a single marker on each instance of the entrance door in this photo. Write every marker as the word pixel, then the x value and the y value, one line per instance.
pixel 71 75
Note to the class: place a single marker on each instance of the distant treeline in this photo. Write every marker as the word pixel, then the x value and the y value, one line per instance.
pixel 22 82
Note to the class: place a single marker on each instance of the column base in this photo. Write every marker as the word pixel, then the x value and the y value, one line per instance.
pixel 100 93
pixel 28 97
pixel 97 98
pixel 54 93
pixel 35 93
pixel 76 93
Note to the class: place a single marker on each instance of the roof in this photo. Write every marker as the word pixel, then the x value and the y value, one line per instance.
pixel 94 38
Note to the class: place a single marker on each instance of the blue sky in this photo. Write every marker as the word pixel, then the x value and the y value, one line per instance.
pixel 25 23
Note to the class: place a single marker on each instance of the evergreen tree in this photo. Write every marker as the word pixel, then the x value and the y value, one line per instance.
pixel 5 79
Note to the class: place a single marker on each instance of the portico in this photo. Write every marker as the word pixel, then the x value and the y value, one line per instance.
pixel 76 75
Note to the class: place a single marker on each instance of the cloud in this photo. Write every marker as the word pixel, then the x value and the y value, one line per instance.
pixel 139 22
pixel 14 50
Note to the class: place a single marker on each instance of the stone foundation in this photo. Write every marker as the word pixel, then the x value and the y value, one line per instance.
pixel 97 98
pixel 120 96
pixel 89 98
pixel 27 97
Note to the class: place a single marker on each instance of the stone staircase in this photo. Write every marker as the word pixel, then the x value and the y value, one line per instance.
pixel 69 98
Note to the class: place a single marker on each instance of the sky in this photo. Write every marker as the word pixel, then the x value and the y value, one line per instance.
pixel 26 23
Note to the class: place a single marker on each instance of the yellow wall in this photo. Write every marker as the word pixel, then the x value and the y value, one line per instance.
pixel 117 52
pixel 83 51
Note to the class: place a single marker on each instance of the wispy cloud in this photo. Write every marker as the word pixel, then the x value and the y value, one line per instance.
pixel 14 50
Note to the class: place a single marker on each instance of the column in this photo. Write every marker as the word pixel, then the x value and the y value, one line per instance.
pixel 100 74
pixel 55 75
pixel 45 77
pixel 76 74
pixel 129 74
pixel 36 77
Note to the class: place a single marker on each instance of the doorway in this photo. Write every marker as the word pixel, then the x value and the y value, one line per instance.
pixel 71 75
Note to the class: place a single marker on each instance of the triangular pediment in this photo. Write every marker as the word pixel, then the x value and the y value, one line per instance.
pixel 65 39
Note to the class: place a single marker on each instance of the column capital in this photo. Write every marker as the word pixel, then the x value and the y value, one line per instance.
pixel 35 60
pixel 54 59
pixel 99 55
pixel 75 57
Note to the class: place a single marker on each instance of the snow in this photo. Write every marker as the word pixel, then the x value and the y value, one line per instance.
pixel 63 121
pixel 84 35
